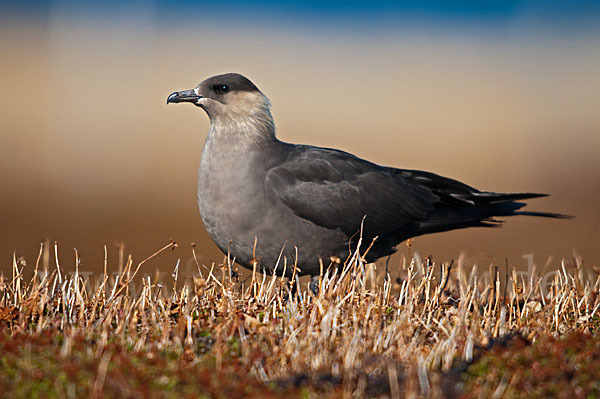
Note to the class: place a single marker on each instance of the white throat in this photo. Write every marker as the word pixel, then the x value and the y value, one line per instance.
pixel 244 123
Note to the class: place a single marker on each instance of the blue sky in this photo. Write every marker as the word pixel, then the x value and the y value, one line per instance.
pixel 575 14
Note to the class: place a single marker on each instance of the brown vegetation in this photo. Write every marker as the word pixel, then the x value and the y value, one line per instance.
pixel 437 331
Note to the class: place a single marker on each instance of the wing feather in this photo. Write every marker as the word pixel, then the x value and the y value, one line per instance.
pixel 336 190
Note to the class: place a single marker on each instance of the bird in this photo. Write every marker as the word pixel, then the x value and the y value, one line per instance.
pixel 270 203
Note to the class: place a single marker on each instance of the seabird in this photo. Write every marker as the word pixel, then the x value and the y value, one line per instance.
pixel 263 200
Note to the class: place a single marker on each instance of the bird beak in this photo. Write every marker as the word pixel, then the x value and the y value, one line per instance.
pixel 185 96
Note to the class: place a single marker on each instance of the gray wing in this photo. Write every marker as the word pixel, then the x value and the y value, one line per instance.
pixel 336 190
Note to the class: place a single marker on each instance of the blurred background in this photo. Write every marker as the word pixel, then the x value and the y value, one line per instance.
pixel 504 96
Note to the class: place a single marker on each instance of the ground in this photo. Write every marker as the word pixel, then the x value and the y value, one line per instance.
pixel 435 331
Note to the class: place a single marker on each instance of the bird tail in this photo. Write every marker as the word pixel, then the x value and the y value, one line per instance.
pixel 507 205
pixel 488 206
pixel 543 214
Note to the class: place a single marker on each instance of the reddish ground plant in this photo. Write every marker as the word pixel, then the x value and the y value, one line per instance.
pixel 436 330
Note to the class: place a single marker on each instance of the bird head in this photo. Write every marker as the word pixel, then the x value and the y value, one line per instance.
pixel 225 96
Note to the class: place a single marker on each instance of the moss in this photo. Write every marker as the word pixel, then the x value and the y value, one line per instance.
pixel 552 367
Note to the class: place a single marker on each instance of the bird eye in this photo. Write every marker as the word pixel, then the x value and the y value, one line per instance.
pixel 223 89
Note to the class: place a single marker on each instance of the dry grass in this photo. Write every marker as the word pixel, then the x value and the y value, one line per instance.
pixel 437 331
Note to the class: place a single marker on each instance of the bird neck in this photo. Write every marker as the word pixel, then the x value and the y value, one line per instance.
pixel 243 130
